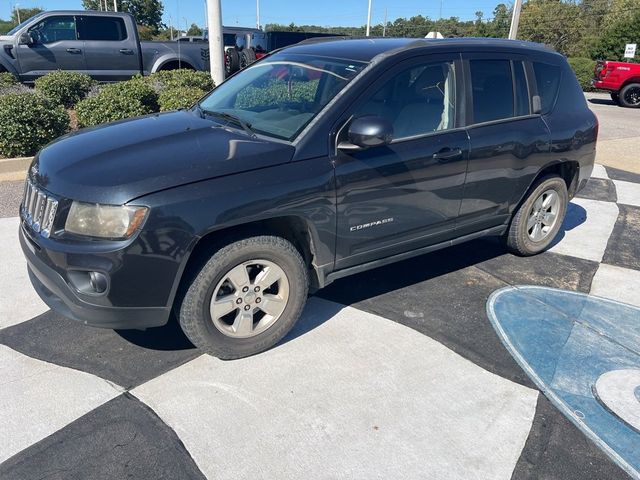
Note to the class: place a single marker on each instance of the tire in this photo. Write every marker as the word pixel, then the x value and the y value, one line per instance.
pixel 615 96
pixel 630 95
pixel 523 238
pixel 232 61
pixel 241 333
pixel 247 57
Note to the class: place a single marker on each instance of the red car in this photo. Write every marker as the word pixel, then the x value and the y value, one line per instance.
pixel 621 79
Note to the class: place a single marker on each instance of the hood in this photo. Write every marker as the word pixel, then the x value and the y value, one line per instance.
pixel 118 162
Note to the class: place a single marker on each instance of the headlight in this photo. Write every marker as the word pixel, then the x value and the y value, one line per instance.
pixel 104 221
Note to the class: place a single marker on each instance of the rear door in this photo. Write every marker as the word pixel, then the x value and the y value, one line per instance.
pixel 111 52
pixel 405 195
pixel 508 141
pixel 56 47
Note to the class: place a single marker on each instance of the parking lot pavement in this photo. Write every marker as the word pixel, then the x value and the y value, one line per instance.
pixel 395 372
pixel 619 133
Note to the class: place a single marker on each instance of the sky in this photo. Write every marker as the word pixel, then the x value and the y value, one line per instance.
pixel 316 12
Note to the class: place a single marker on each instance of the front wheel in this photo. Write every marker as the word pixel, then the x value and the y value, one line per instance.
pixel 630 95
pixel 539 218
pixel 245 298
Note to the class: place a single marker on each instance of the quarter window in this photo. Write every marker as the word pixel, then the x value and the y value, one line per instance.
pixel 417 101
pixel 492 85
pixel 103 29
pixel 54 29
pixel 548 81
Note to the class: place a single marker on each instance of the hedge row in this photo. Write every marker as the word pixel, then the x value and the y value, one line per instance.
pixel 31 118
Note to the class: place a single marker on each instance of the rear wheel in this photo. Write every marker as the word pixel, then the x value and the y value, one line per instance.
pixel 245 298
pixel 247 57
pixel 231 61
pixel 539 218
pixel 630 95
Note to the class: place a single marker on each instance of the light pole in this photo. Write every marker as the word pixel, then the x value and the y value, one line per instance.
pixel 369 19
pixel 258 14
pixel 186 26
pixel 15 7
pixel 115 5
pixel 515 20
pixel 216 46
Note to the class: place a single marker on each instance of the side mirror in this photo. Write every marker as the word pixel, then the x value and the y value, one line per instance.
pixel 26 39
pixel 368 131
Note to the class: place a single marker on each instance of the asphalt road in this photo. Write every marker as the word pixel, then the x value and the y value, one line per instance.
pixel 615 122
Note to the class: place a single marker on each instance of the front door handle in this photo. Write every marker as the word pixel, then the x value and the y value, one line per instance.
pixel 74 50
pixel 126 51
pixel 447 154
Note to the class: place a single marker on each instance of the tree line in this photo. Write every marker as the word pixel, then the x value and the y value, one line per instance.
pixel 588 28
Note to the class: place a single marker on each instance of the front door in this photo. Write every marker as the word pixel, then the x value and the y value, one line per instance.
pixel 56 47
pixel 407 194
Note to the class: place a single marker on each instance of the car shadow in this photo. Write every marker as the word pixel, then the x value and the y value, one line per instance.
pixel 601 101
pixel 168 337
pixel 576 216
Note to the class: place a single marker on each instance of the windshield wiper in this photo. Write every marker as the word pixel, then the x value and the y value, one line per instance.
pixel 230 118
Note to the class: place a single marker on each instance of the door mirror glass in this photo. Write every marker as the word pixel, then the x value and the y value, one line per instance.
pixel 370 131
pixel 26 39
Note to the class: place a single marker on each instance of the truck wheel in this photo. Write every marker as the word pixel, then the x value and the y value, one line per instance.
pixel 245 298
pixel 615 96
pixel 231 61
pixel 247 57
pixel 630 95
pixel 539 218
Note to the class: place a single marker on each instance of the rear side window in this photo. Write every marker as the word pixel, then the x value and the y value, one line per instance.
pixel 492 86
pixel 548 82
pixel 103 28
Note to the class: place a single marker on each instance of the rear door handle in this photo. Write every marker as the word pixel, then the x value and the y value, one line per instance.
pixel 74 50
pixel 126 51
pixel 447 154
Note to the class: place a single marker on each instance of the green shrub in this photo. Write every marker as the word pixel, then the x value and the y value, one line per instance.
pixel 179 97
pixel 583 68
pixel 29 121
pixel 181 78
pixel 7 80
pixel 64 88
pixel 117 101
pixel 275 93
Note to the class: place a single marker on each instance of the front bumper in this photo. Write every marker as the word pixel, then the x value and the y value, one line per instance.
pixel 62 298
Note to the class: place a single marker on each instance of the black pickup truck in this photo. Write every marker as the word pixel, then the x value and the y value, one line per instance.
pixel 104 45
pixel 318 161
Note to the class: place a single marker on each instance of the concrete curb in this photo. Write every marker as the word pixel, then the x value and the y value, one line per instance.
pixel 14 169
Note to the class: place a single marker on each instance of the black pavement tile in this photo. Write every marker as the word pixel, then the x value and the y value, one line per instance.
pixel 557 450
pixel 442 295
pixel 121 439
pixel 623 248
pixel 126 357
pixel 599 189
pixel 547 269
pixel 616 174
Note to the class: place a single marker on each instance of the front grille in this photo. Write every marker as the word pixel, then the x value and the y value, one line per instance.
pixel 38 209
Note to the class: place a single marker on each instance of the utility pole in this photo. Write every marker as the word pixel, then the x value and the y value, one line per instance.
pixel 384 27
pixel 216 46
pixel 515 19
pixel 115 5
pixel 17 9
pixel 258 14
pixel 369 19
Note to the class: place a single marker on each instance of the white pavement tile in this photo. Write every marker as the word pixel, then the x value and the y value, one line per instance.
pixel 18 301
pixel 628 192
pixel 38 398
pixel 358 396
pixel 599 172
pixel 617 283
pixel 586 229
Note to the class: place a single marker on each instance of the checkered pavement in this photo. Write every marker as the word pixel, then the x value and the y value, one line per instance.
pixel 393 373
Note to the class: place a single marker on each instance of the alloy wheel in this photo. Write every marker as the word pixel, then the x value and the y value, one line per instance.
pixel 543 215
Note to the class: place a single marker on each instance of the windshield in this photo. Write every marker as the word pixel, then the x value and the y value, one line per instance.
pixel 15 29
pixel 280 95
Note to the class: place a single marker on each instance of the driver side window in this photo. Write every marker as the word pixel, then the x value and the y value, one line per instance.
pixel 417 101
pixel 54 29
